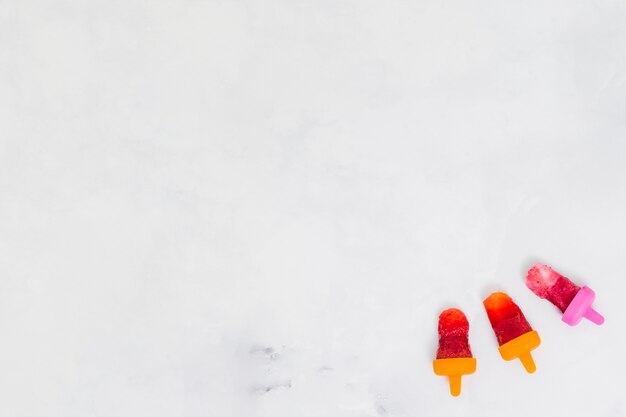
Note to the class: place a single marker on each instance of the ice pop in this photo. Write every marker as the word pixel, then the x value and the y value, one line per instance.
pixel 573 301
pixel 454 357
pixel 515 336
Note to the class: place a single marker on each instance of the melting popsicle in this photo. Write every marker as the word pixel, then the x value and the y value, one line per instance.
pixel 573 301
pixel 515 336
pixel 454 357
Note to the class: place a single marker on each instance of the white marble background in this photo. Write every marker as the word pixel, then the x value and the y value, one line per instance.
pixel 258 208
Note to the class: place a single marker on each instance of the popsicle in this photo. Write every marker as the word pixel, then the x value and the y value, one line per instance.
pixel 454 357
pixel 573 301
pixel 515 336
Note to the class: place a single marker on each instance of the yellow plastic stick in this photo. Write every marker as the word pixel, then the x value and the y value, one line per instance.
pixel 520 347
pixel 454 368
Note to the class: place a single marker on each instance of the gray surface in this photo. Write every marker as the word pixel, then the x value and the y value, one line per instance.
pixel 258 209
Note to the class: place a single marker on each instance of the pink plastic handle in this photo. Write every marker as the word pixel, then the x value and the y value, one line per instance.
pixel 581 307
pixel 593 316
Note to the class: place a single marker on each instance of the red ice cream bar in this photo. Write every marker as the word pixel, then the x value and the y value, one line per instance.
pixel 515 336
pixel 454 357
pixel 453 335
pixel 573 301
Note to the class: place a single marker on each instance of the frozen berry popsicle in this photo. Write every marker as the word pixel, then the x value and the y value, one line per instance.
pixel 515 336
pixel 573 301
pixel 454 357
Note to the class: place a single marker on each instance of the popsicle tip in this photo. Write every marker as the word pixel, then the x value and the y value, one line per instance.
pixel 540 278
pixel 496 299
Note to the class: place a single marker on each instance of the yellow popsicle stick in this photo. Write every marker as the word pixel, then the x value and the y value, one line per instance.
pixel 520 347
pixel 454 368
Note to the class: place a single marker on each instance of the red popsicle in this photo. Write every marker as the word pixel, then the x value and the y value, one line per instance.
pixel 454 357
pixel 515 336
pixel 573 301
pixel 453 335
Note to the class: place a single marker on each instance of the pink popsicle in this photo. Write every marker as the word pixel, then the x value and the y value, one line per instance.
pixel 573 301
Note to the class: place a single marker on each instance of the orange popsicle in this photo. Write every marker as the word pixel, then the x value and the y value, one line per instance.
pixel 515 336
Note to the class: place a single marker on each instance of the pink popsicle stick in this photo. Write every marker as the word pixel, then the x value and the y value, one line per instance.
pixel 593 316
